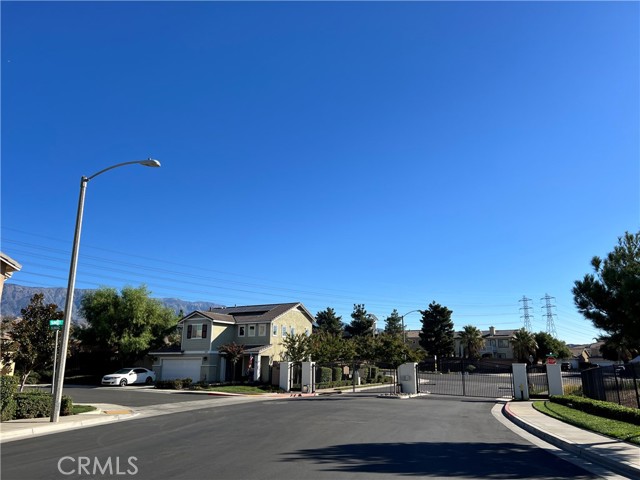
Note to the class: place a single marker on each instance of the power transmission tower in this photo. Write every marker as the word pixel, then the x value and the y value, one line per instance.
pixel 526 315
pixel 551 328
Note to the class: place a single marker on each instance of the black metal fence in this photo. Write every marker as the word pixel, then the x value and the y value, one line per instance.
pixel 466 378
pixel 614 383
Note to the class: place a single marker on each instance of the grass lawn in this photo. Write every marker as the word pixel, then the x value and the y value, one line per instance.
pixel 612 428
pixel 82 409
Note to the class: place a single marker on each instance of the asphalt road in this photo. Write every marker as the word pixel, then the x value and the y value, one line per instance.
pixel 130 396
pixel 333 437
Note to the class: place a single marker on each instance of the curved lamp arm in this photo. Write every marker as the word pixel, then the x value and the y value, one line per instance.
pixel 149 162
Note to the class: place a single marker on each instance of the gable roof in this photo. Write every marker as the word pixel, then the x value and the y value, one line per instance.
pixel 250 313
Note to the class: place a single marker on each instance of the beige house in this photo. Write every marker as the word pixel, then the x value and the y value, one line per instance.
pixel 7 268
pixel 497 343
pixel 261 329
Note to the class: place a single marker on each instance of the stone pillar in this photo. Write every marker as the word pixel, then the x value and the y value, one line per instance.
pixel 520 381
pixel 285 376
pixel 554 379
pixel 407 378
pixel 308 376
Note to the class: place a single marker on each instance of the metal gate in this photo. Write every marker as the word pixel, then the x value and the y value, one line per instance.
pixel 538 381
pixel 466 378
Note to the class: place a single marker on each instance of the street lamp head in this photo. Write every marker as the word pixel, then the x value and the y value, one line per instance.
pixel 150 162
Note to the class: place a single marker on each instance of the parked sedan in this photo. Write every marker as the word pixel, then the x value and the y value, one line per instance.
pixel 128 376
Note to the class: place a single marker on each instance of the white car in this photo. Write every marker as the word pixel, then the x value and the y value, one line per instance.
pixel 128 376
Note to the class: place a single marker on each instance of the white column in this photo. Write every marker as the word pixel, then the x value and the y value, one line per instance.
pixel 307 375
pixel 554 379
pixel 520 381
pixel 407 378
pixel 285 376
pixel 256 368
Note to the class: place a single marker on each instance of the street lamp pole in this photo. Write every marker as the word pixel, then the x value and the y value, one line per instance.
pixel 59 380
pixel 404 332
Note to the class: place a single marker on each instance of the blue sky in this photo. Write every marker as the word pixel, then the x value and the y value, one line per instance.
pixel 369 152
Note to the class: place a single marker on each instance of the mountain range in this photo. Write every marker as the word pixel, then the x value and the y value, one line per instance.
pixel 16 297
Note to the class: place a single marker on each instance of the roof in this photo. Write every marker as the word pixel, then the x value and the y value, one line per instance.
pixel 255 348
pixel 250 313
pixel 9 264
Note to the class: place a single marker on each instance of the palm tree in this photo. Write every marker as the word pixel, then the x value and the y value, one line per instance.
pixel 524 344
pixel 471 341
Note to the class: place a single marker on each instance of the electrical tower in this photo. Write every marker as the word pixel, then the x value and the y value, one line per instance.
pixel 526 315
pixel 551 328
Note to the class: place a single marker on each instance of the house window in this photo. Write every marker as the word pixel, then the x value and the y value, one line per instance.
pixel 275 330
pixel 241 330
pixel 503 343
pixel 262 330
pixel 492 343
pixel 196 330
pixel 284 330
pixel 252 330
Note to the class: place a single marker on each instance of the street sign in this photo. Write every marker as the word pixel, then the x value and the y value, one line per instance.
pixel 56 324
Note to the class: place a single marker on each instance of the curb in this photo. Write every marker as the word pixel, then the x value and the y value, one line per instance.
pixel 45 429
pixel 577 450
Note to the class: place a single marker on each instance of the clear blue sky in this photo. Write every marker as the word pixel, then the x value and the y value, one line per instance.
pixel 377 153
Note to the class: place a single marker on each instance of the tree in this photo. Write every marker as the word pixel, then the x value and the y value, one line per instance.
pixel 29 342
pixel 127 325
pixel 471 341
pixel 329 322
pixel 393 350
pixel 233 353
pixel 436 335
pixel 297 347
pixel 325 347
pixel 393 324
pixel 524 344
pixel 362 323
pixel 610 297
pixel 546 344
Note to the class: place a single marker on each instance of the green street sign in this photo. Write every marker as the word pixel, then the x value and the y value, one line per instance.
pixel 56 324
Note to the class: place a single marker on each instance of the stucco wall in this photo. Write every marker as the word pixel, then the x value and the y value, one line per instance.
pixel 293 318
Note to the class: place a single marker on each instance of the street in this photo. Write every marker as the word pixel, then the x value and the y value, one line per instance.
pixel 341 436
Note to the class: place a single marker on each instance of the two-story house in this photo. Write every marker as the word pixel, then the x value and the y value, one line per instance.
pixel 497 344
pixel 260 329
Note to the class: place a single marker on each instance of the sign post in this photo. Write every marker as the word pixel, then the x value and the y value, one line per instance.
pixel 55 325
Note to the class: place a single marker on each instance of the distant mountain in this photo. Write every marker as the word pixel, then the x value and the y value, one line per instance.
pixel 16 297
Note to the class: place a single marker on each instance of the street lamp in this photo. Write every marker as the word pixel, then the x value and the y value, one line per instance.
pixel 404 333
pixel 59 380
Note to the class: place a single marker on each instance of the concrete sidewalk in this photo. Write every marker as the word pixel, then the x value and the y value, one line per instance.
pixel 620 457
pixel 105 413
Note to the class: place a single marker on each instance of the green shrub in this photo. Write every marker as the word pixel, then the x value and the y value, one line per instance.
pixel 35 404
pixel 323 375
pixel 609 410
pixel 336 375
pixel 470 368
pixel 8 389
pixel 186 382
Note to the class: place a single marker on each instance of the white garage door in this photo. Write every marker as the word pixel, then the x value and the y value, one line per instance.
pixel 181 368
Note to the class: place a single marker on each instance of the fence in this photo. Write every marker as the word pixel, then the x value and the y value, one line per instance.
pixel 614 383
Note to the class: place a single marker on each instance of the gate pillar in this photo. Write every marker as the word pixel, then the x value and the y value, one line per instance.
pixel 407 378
pixel 285 376
pixel 520 381
pixel 554 379
pixel 308 377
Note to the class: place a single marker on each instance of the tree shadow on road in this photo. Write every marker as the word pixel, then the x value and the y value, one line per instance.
pixel 441 460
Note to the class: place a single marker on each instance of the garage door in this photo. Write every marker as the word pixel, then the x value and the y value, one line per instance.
pixel 181 368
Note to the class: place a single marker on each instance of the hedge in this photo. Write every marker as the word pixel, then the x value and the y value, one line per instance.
pixel 323 375
pixel 38 404
pixel 600 408
pixel 336 375
pixel 8 389
pixel 177 384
